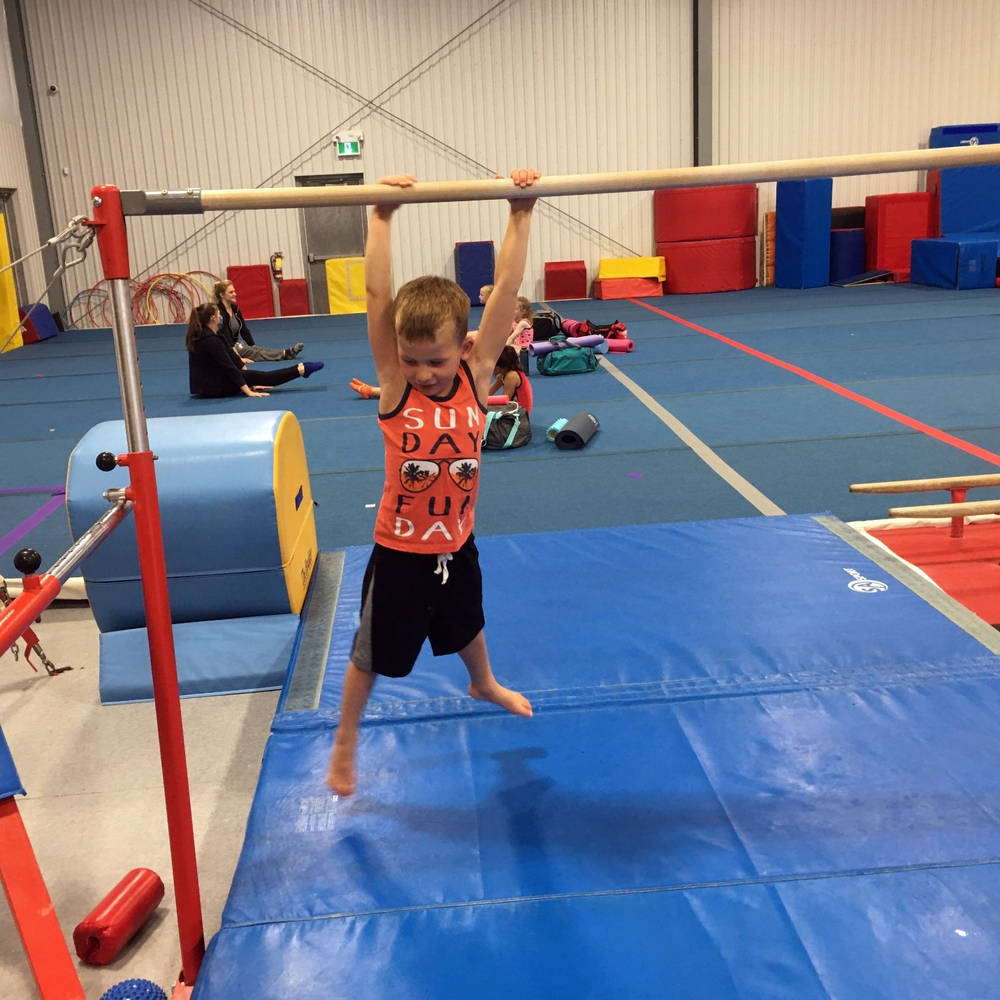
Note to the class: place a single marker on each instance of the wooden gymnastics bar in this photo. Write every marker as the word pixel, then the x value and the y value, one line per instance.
pixel 194 201
pixel 928 485
pixel 958 510
pixel 952 510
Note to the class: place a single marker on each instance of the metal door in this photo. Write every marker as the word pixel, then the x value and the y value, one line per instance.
pixel 330 231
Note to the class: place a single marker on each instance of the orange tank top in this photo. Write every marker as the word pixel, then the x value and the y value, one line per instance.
pixel 432 451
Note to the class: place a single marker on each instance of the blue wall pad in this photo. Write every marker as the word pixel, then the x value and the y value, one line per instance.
pixel 217 478
pixel 847 253
pixel 10 783
pixel 755 741
pixel 950 262
pixel 474 265
pixel 213 657
pixel 970 199
pixel 964 135
pixel 802 233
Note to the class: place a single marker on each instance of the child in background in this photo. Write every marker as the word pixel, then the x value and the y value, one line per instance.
pixel 509 379
pixel 423 579
pixel 521 334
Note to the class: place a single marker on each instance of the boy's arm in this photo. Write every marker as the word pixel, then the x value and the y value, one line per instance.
pixel 495 326
pixel 378 286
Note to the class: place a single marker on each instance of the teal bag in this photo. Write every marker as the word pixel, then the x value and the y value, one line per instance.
pixel 567 361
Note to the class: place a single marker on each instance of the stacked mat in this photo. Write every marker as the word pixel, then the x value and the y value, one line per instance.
pixel 707 237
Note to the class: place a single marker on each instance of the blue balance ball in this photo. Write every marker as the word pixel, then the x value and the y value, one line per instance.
pixel 135 989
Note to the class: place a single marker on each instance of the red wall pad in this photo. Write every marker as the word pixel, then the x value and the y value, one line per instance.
pixel 710 265
pixel 565 279
pixel 253 289
pixel 706 213
pixel 892 222
pixel 293 297
pixel 625 288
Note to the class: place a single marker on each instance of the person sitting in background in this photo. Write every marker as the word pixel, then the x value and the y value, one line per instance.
pixel 214 368
pixel 237 334
pixel 509 379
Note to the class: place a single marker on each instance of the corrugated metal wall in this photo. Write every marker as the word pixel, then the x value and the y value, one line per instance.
pixel 189 93
pixel 797 78
pixel 242 93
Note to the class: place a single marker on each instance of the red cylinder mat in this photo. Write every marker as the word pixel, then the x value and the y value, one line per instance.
pixel 112 923
pixel 293 297
pixel 253 289
pixel 710 265
pixel 708 213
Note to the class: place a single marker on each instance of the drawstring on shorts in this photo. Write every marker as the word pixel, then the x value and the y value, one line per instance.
pixel 442 567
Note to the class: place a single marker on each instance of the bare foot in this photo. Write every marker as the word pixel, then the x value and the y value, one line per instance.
pixel 340 776
pixel 513 701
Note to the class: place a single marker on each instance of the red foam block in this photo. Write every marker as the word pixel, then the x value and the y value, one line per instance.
pixel 710 265
pixel 625 288
pixel 565 279
pixel 892 222
pixel 110 925
pixel 704 213
pixel 253 289
pixel 29 335
pixel 293 297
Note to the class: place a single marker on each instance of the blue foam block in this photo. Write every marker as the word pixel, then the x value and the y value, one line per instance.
pixel 42 320
pixel 964 135
pixel 10 783
pixel 970 199
pixel 474 266
pixel 215 479
pixel 847 253
pixel 213 657
pixel 949 262
pixel 802 233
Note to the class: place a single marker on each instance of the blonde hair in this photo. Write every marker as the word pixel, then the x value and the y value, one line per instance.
pixel 219 288
pixel 523 308
pixel 423 304
pixel 485 292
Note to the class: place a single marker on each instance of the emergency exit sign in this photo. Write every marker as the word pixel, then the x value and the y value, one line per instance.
pixel 348 145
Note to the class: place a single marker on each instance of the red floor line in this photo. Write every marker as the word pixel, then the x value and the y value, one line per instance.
pixel 885 411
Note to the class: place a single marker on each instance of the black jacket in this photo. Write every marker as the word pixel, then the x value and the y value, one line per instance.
pixel 213 369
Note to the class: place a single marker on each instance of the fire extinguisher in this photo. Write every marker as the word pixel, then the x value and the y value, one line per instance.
pixel 276 264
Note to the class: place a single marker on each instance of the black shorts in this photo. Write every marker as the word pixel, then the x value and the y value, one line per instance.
pixel 405 599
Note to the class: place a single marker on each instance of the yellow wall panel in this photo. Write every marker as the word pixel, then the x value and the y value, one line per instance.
pixel 345 284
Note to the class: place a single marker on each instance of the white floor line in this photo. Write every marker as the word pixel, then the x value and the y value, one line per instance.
pixel 721 468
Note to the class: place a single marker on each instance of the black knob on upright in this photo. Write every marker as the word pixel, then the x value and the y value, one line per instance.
pixel 27 561
pixel 106 461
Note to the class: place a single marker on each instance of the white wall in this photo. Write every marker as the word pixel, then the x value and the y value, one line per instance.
pixel 170 94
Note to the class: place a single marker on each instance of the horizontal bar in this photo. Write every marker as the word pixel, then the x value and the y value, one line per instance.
pixel 970 509
pixel 89 540
pixel 33 600
pixel 925 485
pixel 193 201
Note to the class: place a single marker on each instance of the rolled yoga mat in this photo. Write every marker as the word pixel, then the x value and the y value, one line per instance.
pixel 577 431
pixel 621 346
pixel 555 428
pixel 501 399
pixel 593 340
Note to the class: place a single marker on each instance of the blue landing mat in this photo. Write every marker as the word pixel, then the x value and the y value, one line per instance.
pixel 758 768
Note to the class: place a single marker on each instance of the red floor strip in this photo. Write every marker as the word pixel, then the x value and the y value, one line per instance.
pixel 885 411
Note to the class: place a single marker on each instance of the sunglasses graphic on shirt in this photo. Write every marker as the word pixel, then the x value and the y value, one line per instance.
pixel 415 476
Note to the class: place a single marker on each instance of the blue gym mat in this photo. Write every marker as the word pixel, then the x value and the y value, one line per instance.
pixel 757 768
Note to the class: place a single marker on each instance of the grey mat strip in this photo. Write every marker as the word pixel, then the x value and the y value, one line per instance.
pixel 310 664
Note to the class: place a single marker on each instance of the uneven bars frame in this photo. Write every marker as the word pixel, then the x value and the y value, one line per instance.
pixel 195 201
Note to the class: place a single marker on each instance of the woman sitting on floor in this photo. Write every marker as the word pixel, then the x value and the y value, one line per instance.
pixel 215 369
